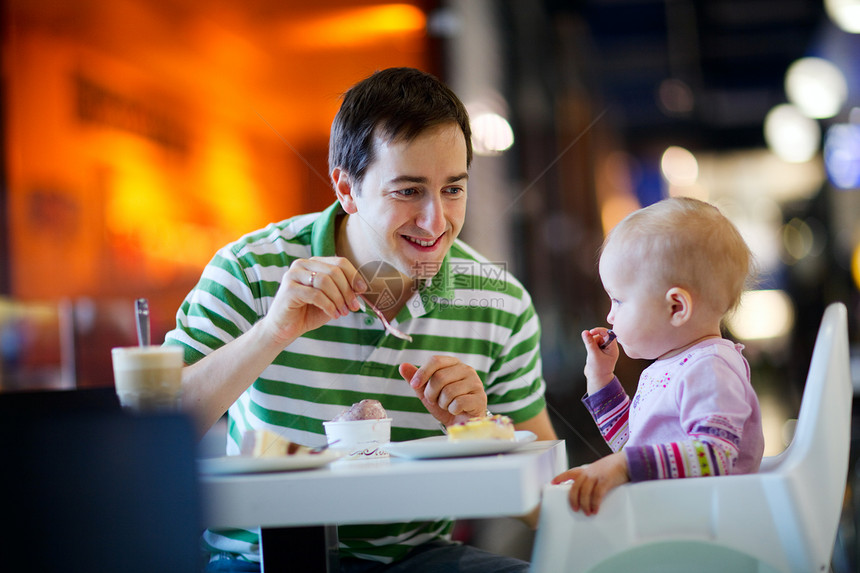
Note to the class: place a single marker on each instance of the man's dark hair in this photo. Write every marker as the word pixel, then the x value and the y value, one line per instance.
pixel 395 103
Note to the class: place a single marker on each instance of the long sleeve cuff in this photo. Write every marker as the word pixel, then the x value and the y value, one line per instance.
pixel 605 399
pixel 609 407
pixel 642 463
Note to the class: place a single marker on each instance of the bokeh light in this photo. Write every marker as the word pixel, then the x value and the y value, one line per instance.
pixel 491 134
pixel 816 86
pixel 675 97
pixel 797 239
pixel 790 134
pixel 842 155
pixel 855 266
pixel 845 14
pixel 679 166
pixel 762 314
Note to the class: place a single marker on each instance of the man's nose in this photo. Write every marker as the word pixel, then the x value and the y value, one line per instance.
pixel 432 215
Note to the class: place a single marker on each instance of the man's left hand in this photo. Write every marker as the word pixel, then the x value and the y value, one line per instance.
pixel 450 390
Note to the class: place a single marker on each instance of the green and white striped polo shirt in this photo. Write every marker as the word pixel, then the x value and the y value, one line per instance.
pixel 471 309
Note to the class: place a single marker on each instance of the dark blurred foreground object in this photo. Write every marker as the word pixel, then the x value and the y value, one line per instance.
pixel 39 404
pixel 86 487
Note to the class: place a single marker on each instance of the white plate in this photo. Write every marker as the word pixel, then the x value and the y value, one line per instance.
pixel 249 464
pixel 440 447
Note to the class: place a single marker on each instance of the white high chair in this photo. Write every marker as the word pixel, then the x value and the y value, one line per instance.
pixel 783 518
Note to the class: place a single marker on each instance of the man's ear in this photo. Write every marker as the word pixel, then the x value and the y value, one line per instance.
pixel 680 305
pixel 344 189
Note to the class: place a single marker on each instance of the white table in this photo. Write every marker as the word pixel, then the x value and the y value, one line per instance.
pixel 392 489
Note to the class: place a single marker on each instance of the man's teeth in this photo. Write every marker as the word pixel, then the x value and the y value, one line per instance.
pixel 423 243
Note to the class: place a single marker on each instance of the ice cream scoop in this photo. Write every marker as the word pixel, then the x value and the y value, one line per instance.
pixel 364 410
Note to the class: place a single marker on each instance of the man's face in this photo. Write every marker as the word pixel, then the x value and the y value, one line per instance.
pixel 411 203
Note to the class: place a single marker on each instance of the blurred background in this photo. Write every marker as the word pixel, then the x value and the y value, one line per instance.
pixel 139 136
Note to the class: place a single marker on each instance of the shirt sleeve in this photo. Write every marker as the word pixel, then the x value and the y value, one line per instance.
pixel 713 408
pixel 610 408
pixel 218 310
pixel 515 386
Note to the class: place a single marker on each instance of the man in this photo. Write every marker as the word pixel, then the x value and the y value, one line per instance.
pixel 278 332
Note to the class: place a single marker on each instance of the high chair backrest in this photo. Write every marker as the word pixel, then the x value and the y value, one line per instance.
pixel 817 457
pixel 783 518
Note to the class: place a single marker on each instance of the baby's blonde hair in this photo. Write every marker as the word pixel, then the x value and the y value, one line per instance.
pixel 687 243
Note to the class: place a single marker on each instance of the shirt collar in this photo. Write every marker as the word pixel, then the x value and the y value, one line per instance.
pixel 323 233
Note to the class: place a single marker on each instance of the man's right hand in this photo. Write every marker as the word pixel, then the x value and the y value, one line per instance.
pixel 312 292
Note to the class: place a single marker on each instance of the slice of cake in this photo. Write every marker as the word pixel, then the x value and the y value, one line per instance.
pixel 266 444
pixel 495 427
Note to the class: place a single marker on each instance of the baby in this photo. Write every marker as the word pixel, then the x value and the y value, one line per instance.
pixel 672 271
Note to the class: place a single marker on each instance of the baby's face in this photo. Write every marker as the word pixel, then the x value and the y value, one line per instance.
pixel 640 311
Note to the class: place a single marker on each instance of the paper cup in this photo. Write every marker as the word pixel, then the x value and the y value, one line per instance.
pixel 148 378
pixel 360 439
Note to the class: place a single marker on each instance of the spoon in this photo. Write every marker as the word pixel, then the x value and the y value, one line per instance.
pixel 141 306
pixel 610 336
pixel 320 449
pixel 391 329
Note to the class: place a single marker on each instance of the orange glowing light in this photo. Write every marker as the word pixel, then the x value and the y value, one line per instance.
pixel 616 208
pixel 355 26
pixel 855 266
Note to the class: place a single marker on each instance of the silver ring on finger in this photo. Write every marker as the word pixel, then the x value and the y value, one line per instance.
pixel 313 276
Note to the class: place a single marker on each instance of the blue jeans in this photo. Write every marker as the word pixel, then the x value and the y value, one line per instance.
pixel 434 557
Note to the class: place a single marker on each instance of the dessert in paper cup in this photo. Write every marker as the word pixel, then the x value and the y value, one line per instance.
pixel 361 431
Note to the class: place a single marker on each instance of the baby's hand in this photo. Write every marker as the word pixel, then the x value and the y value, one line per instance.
pixel 592 482
pixel 600 362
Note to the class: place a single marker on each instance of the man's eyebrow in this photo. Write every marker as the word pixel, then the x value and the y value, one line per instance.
pixel 418 179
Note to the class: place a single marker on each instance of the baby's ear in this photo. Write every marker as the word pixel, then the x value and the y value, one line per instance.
pixel 680 304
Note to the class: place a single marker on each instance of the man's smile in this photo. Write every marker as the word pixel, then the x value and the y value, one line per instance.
pixel 426 243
